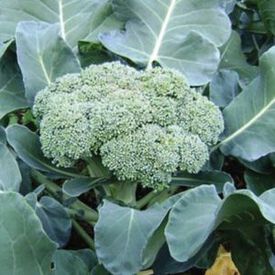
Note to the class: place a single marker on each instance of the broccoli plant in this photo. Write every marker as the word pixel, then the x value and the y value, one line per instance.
pixel 137 137
pixel 145 125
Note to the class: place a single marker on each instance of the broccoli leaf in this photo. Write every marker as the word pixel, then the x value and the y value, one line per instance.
pixel 11 83
pixel 259 183
pixel 233 59
pixel 26 144
pixel 130 232
pixel 54 218
pixel 63 260
pixel 26 249
pixel 177 34
pixel 42 55
pixel 249 123
pixel 251 252
pixel 202 206
pixel 77 20
pixel 10 177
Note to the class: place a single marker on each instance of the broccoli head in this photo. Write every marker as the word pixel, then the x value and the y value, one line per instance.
pixel 145 125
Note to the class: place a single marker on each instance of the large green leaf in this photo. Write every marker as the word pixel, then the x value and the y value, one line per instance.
pixel 55 220
pixel 76 187
pixel 121 235
pixel 77 19
pixel 179 34
pixel 11 85
pixel 43 55
pixel 10 176
pixel 262 165
pixel 165 264
pixel 259 183
pixel 228 5
pixel 69 263
pixel 224 87
pixel 25 248
pixel 185 234
pixel 251 252
pixel 233 59
pixel 27 145
pixel 249 119
pixel 234 71
pixel 154 245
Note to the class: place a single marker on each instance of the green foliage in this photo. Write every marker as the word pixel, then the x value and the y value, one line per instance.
pixel 11 83
pixel 249 112
pixel 127 96
pixel 182 35
pixel 23 248
pixel 132 228
pixel 47 66
pixel 54 218
pixel 77 20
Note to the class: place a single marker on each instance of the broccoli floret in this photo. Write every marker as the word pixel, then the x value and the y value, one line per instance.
pixel 145 125
pixel 152 153
pixel 147 154
pixel 198 115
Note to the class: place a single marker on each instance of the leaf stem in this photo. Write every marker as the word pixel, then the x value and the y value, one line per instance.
pixel 146 199
pixel 156 197
pixel 214 148
pixel 83 234
pixel 80 215
pixel 87 213
pixel 124 191
pixel 96 169
pixel 163 195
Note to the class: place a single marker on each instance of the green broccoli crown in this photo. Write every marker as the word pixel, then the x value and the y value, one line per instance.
pixel 145 125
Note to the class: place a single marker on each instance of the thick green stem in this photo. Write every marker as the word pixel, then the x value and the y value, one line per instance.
pixel 95 168
pixel 154 197
pixel 83 234
pixel 146 199
pixel 163 195
pixel 124 191
pixel 80 215
pixel 87 213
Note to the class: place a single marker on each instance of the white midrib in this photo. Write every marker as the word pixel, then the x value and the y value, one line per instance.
pixel 245 126
pixel 40 60
pixel 159 40
pixel 130 227
pixel 61 20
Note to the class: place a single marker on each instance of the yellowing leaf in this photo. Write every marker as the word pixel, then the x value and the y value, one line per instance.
pixel 223 264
